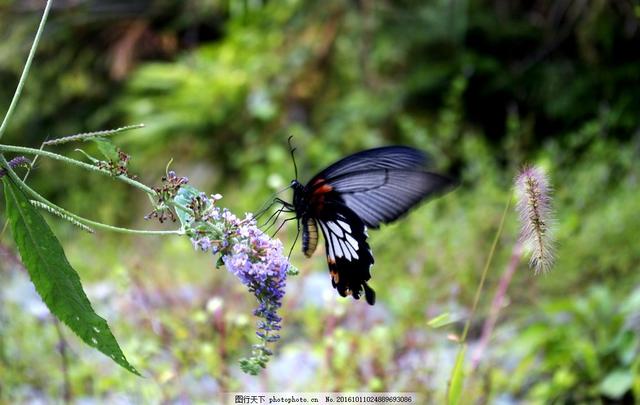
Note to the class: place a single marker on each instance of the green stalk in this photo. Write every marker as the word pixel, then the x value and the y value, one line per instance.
pixel 485 271
pixel 86 166
pixel 456 382
pixel 40 152
pixel 25 71
pixel 98 225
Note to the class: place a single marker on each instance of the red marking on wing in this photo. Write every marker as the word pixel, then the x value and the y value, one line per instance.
pixel 317 196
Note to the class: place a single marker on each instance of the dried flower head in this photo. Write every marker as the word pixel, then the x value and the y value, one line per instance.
pixel 171 184
pixel 534 208
pixel 117 167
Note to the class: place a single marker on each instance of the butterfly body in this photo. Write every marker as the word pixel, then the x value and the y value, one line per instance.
pixel 362 190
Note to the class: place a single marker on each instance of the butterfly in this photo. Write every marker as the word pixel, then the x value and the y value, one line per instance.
pixel 361 191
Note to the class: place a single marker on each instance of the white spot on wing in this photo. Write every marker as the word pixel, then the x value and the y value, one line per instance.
pixel 336 246
pixel 331 248
pixel 353 252
pixel 335 228
pixel 351 241
pixel 345 249
pixel 344 226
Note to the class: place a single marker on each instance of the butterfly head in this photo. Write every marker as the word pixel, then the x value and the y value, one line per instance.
pixel 296 185
pixel 299 199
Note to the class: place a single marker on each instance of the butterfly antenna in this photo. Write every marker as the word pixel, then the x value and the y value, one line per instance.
pixel 293 157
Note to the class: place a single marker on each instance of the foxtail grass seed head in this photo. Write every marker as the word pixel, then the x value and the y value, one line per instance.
pixel 533 193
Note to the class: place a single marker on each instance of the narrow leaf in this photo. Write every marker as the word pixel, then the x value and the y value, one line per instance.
pixel 55 280
pixel 457 378
pixel 440 320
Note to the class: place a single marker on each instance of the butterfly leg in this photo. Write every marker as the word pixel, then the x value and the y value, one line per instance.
pixel 294 241
pixel 273 218
pixel 282 224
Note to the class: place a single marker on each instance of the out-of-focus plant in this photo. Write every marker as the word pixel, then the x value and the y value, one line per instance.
pixel 249 253
pixel 580 350
pixel 533 203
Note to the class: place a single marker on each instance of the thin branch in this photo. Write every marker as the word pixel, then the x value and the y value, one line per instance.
pixel 75 162
pixel 67 394
pixel 485 271
pixel 25 71
pixel 496 305
pixel 28 190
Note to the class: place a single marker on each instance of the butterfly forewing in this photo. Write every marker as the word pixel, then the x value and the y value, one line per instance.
pixel 383 195
pixel 388 157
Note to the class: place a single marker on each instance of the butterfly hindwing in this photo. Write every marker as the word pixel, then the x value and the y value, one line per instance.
pixel 348 253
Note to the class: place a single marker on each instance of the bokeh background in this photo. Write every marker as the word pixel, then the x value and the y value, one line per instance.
pixel 483 86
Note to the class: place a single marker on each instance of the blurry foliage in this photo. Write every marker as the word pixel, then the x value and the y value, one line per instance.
pixel 483 86
pixel 581 350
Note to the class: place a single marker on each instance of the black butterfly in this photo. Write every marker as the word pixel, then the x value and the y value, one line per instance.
pixel 366 189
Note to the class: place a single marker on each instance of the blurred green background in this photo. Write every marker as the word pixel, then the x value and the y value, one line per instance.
pixel 483 86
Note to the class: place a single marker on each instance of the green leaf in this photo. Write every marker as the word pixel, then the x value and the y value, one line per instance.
pixel 617 383
pixel 440 320
pixel 108 149
pixel 457 378
pixel 55 280
pixel 184 197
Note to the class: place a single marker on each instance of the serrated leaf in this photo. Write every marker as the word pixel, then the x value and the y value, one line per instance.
pixel 457 378
pixel 55 280
pixel 440 320
pixel 108 149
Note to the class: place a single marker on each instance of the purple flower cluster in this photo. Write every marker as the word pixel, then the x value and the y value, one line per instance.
pixel 15 162
pixel 252 256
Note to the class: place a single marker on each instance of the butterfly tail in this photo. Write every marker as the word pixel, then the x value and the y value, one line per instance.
pixel 369 294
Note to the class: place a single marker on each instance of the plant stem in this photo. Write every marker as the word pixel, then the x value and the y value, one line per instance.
pixel 39 152
pixel 98 225
pixel 476 299
pixel 485 271
pixel 25 71
pixel 62 347
pixel 86 166
pixel 496 305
